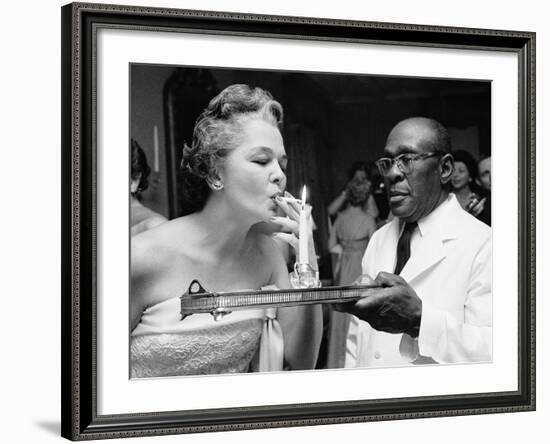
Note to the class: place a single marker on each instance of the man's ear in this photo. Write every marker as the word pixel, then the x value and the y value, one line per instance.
pixel 446 167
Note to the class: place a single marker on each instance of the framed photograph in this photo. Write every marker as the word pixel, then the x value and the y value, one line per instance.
pixel 249 208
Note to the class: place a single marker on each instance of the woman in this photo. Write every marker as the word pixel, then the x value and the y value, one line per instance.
pixel 234 177
pixel 464 185
pixel 348 240
pixel 351 232
pixel 357 172
pixel 141 217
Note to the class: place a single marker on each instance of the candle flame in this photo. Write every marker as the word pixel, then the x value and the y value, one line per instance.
pixel 304 197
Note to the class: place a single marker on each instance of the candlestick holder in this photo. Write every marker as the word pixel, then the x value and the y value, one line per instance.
pixel 364 279
pixel 304 276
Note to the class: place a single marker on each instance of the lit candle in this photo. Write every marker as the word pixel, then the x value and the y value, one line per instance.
pixel 156 168
pixel 303 256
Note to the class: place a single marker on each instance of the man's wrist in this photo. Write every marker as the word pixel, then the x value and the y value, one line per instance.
pixel 414 327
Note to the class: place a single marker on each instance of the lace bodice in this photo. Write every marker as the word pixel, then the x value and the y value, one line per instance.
pixel 220 349
pixel 164 345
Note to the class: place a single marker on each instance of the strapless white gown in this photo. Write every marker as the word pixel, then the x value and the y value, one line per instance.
pixel 164 345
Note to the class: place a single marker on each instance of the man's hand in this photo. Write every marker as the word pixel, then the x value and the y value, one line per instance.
pixel 395 308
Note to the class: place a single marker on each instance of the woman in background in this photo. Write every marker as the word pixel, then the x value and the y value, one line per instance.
pixel 141 217
pixel 234 177
pixel 351 233
pixel 357 172
pixel 464 183
pixel 348 240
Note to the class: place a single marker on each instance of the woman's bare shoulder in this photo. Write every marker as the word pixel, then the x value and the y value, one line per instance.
pixel 152 261
pixel 151 250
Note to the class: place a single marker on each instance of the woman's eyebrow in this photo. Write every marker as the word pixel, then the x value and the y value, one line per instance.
pixel 261 149
pixel 267 150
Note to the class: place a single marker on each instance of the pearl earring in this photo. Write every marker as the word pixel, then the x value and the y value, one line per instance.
pixel 217 185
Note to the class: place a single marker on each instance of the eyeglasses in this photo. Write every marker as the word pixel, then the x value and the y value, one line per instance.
pixel 404 162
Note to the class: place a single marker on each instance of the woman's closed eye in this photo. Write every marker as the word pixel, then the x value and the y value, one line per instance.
pixel 267 160
pixel 261 160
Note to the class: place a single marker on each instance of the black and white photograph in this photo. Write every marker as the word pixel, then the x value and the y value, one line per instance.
pixel 276 221
pixel 287 220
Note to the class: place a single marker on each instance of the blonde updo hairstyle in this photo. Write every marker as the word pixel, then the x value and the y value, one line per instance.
pixel 217 131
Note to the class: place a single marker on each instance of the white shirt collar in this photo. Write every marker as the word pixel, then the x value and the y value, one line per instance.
pixel 432 223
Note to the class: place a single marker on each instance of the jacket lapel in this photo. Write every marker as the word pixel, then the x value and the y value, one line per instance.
pixel 435 230
pixel 429 252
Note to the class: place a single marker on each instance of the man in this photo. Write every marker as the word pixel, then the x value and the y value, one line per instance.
pixel 484 182
pixel 484 173
pixel 433 261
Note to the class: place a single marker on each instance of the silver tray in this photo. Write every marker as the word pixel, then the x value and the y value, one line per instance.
pixel 198 300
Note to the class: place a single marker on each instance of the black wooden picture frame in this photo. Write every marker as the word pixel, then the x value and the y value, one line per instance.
pixel 80 419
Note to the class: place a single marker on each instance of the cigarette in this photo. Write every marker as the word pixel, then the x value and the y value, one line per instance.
pixel 291 199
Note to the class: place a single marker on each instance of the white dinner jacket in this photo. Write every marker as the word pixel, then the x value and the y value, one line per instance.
pixel 450 269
